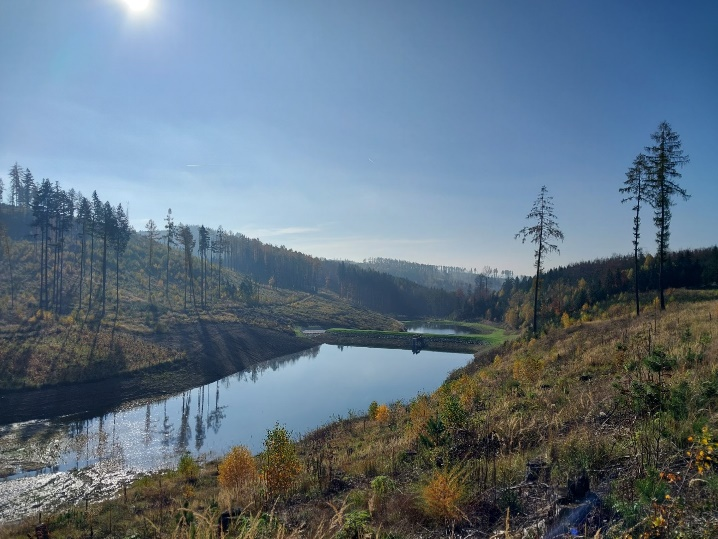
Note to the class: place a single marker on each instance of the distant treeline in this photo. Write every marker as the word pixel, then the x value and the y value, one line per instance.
pixel 375 290
pixel 583 289
pixel 59 250
pixel 449 278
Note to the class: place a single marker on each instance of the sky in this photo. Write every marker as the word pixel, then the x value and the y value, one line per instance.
pixel 409 129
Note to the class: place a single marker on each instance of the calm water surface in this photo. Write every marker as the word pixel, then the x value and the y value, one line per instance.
pixel 438 329
pixel 301 391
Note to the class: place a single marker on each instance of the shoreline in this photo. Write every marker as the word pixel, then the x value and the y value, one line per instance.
pixel 213 350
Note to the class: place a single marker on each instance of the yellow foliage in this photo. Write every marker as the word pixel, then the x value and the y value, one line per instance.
pixel 382 413
pixel 467 390
pixel 281 464
pixel 444 494
pixel 528 369
pixel 419 414
pixel 566 320
pixel 238 472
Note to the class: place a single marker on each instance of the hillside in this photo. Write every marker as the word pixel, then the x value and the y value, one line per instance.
pixel 604 429
pixel 74 309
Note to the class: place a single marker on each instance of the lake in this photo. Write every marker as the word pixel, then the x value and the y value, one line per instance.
pixel 439 329
pixel 302 392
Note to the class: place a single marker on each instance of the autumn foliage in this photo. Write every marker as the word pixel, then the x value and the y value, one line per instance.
pixel 281 463
pixel 443 495
pixel 238 472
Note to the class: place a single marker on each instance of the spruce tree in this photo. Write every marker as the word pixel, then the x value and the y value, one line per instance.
pixel 636 189
pixel 664 156
pixel 541 233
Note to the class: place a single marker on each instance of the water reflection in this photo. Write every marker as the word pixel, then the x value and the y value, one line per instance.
pixel 302 391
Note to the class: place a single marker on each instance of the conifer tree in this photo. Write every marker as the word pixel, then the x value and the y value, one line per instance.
pixel 152 236
pixel 204 243
pixel 636 189
pixel 27 189
pixel 542 233
pixel 96 227
pixel 15 176
pixel 664 156
pixel 84 216
pixel 120 238
pixel 170 234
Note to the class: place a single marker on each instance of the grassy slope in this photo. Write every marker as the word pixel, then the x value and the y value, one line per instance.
pixel 586 398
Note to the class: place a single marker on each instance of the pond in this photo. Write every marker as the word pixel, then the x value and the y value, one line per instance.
pixel 302 392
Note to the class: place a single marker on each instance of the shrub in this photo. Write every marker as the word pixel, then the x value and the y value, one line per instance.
pixel 355 525
pixel 382 485
pixel 281 464
pixel 444 494
pixel 372 410
pixel 188 468
pixel 382 413
pixel 238 472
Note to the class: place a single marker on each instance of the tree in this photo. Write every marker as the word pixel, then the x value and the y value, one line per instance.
pixel 636 191
pixel 41 210
pixel 281 464
pixel 15 175
pixel 663 157
pixel 188 242
pixel 238 472
pixel 95 226
pixel 120 238
pixel 109 220
pixel 170 237
pixel 204 243
pixel 218 246
pixel 2 188
pixel 27 190
pixel 152 235
pixel 84 216
pixel 542 233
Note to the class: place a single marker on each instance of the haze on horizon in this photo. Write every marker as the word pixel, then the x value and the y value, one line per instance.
pixel 414 130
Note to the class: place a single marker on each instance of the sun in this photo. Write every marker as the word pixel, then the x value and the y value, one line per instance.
pixel 137 6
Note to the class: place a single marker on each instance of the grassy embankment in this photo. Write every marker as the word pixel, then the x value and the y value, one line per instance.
pixel 631 404
pixel 39 351
pixel 484 336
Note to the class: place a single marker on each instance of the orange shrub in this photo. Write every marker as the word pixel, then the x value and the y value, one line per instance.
pixel 444 494
pixel 238 472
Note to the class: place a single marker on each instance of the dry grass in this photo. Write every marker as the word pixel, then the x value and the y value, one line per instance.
pixel 570 400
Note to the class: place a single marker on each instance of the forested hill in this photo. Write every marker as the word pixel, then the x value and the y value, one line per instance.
pixel 450 278
pixel 73 238
pixel 366 287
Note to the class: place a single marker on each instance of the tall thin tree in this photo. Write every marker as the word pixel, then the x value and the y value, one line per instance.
pixel 635 187
pixel 152 236
pixel 170 235
pixel 664 156
pixel 84 216
pixel 15 176
pixel 120 238
pixel 204 243
pixel 98 213
pixel 541 233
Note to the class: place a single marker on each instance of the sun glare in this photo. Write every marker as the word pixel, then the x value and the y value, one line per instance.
pixel 137 6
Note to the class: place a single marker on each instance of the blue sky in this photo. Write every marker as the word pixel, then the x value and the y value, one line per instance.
pixel 408 129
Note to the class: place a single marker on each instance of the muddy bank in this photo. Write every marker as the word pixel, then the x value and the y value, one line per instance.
pixel 212 350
